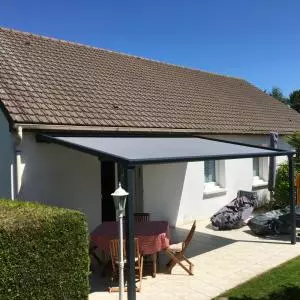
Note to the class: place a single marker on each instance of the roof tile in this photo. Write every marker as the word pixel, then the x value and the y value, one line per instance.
pixel 47 81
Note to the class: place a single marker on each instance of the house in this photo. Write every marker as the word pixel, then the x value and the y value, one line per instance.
pixel 49 86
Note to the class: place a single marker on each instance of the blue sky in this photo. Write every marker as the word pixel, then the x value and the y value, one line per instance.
pixel 258 40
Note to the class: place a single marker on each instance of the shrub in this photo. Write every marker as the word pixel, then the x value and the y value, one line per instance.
pixel 281 191
pixel 43 252
pixel 282 186
pixel 294 141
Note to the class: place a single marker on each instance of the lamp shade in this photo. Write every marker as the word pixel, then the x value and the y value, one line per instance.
pixel 119 196
pixel 119 192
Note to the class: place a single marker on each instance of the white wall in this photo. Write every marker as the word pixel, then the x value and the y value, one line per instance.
pixel 259 140
pixel 6 158
pixel 163 185
pixel 60 176
pixel 174 192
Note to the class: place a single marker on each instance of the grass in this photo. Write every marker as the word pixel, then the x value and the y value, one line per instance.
pixel 280 283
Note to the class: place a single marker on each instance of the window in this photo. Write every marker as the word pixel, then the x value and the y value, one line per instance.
pixel 214 178
pixel 260 169
pixel 255 167
pixel 209 171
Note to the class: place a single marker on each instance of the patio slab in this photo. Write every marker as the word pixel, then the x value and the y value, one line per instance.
pixel 223 259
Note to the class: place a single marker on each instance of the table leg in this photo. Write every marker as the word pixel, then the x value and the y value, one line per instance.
pixel 154 256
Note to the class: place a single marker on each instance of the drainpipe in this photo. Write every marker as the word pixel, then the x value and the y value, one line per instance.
pixel 18 160
pixel 12 181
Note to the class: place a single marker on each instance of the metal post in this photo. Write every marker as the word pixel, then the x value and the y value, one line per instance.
pixel 292 199
pixel 119 196
pixel 131 292
pixel 121 258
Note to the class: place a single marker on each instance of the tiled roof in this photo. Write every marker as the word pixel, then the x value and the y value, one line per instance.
pixel 51 82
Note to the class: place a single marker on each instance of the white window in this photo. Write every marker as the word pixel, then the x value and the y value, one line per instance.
pixel 210 171
pixel 214 177
pixel 260 169
pixel 256 167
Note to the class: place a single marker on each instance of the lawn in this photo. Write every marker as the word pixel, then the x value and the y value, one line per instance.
pixel 281 283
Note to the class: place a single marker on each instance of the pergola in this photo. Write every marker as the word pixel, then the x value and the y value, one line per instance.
pixel 132 151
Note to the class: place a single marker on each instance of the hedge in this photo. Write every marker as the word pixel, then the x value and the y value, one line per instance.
pixel 282 186
pixel 43 252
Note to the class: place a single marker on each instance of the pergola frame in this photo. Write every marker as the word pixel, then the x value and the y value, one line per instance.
pixel 131 291
pixel 129 166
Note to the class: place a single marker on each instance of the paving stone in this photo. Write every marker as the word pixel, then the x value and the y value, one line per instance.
pixel 217 268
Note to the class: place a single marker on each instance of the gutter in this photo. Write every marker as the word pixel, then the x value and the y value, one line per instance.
pixel 116 129
pixel 78 128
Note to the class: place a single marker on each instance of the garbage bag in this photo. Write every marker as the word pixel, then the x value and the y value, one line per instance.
pixel 274 222
pixel 266 223
pixel 286 220
pixel 234 214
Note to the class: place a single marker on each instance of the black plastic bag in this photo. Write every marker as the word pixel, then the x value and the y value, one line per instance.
pixel 234 214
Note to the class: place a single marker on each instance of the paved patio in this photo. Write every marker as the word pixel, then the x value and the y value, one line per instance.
pixel 223 259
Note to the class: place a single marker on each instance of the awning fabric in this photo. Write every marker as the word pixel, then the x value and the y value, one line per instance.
pixel 149 150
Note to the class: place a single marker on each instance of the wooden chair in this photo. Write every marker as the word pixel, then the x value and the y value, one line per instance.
pixel 141 217
pixel 176 253
pixel 114 254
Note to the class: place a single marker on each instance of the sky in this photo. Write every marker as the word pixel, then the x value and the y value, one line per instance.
pixel 257 40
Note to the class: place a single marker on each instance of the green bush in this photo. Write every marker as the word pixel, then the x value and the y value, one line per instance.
pixel 282 186
pixel 294 141
pixel 43 252
pixel 281 191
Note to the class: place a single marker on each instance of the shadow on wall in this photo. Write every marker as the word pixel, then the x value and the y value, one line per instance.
pixel 163 186
pixel 6 158
pixel 263 196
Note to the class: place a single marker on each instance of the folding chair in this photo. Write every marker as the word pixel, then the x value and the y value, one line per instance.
pixel 114 254
pixel 176 253
pixel 141 217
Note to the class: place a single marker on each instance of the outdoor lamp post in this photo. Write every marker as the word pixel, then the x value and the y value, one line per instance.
pixel 119 196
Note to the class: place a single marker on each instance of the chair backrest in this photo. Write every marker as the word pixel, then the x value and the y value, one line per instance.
pixel 114 247
pixel 141 217
pixel 189 236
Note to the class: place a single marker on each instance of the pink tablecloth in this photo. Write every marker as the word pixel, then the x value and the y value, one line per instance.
pixel 153 236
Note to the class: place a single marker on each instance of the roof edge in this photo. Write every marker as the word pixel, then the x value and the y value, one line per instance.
pixel 80 128
pixel 7 115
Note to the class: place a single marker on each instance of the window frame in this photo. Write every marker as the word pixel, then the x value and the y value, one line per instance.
pixel 217 187
pixel 258 171
pixel 213 182
pixel 260 180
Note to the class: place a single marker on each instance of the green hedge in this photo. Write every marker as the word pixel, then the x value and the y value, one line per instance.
pixel 282 185
pixel 43 252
